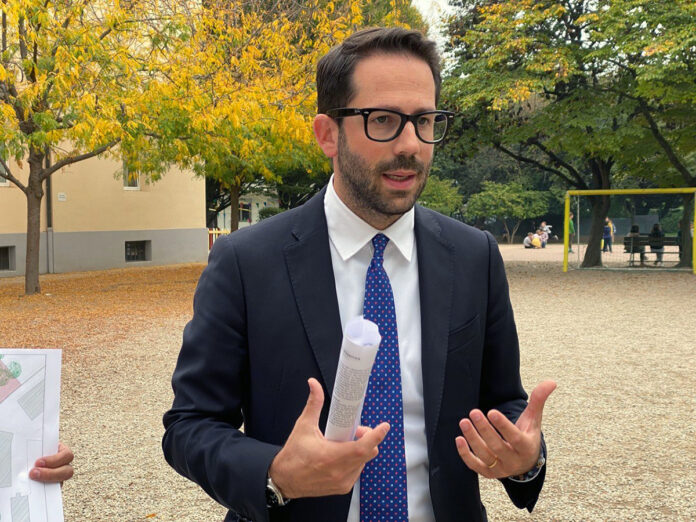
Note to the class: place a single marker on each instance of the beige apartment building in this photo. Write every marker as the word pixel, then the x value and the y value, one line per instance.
pixel 94 217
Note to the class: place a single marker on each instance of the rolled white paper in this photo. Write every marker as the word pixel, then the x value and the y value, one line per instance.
pixel 360 344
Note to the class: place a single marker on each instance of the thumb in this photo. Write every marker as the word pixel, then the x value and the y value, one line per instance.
pixel 535 408
pixel 315 401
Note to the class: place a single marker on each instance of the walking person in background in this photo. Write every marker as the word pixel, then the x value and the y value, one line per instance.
pixel 571 232
pixel 656 240
pixel 608 234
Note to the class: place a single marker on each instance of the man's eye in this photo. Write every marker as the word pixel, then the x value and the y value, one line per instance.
pixel 382 119
pixel 424 121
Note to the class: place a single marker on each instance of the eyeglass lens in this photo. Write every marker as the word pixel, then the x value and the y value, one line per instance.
pixel 384 125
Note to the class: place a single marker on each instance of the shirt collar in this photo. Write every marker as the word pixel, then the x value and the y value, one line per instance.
pixel 349 233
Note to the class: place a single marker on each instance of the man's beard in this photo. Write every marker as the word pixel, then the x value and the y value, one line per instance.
pixel 363 181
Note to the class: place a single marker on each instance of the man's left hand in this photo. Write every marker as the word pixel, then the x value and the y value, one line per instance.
pixel 494 447
pixel 54 468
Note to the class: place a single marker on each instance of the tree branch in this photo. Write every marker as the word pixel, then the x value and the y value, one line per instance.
pixel 669 151
pixel 558 161
pixel 68 161
pixel 22 38
pixel 6 174
pixel 4 30
pixel 536 163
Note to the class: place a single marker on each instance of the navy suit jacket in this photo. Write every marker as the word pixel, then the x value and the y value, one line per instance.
pixel 266 319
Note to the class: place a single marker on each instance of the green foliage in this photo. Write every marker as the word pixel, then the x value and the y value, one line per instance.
pixel 576 87
pixel 508 202
pixel 591 92
pixel 267 212
pixel 379 13
pixel 441 195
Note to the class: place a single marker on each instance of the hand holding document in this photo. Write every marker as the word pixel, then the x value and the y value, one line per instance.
pixel 360 344
pixel 29 409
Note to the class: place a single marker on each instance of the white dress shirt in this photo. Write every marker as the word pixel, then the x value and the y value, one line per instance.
pixel 351 252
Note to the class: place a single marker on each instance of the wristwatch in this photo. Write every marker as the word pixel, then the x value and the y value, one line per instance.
pixel 274 498
pixel 532 473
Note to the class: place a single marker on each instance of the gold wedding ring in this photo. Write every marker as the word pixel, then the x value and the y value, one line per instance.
pixel 495 463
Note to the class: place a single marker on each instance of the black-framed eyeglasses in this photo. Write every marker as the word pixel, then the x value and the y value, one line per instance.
pixel 385 124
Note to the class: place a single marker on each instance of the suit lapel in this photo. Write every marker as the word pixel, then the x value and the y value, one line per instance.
pixel 309 265
pixel 308 259
pixel 435 273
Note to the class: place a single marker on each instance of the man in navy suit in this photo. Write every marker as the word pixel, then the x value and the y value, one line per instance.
pixel 270 306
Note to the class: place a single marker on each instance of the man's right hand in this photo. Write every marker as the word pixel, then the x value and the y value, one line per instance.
pixel 311 466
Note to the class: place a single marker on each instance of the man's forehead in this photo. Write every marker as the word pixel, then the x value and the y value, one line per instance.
pixel 390 80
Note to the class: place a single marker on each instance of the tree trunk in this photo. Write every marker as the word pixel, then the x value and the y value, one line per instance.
pixel 514 231
pixel 234 207
pixel 593 254
pixel 34 196
pixel 685 228
pixel 601 172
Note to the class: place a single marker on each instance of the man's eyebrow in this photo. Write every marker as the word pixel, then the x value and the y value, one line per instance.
pixel 398 109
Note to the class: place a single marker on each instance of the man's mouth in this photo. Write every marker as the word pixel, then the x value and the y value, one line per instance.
pixel 400 176
pixel 399 180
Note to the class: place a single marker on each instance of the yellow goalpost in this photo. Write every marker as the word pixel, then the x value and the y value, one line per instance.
pixel 613 192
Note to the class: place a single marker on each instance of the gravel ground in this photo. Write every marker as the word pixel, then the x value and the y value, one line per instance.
pixel 619 427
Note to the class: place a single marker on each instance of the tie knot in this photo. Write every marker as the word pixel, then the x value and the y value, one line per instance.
pixel 379 242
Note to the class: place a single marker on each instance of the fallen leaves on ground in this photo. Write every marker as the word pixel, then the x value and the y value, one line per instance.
pixel 76 308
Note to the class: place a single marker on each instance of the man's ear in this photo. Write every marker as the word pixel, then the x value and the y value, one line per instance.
pixel 326 134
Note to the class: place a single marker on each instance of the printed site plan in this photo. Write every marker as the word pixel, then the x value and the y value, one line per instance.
pixel 29 409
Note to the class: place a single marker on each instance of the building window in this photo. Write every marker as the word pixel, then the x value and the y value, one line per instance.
pixel 245 212
pixel 138 251
pixel 7 258
pixel 131 180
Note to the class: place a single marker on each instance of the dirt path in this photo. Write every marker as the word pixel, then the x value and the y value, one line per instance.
pixel 620 428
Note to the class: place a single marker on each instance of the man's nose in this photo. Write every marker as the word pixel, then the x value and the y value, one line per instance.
pixel 407 143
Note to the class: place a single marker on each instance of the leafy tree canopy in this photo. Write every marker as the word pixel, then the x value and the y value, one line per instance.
pixel 441 195
pixel 508 202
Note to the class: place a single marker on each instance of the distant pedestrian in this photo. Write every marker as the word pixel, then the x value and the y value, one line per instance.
pixel 608 234
pixel 571 232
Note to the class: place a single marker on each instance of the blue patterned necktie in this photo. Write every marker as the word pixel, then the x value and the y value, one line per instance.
pixel 383 480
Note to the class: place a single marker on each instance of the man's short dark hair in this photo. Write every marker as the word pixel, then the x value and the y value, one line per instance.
pixel 335 69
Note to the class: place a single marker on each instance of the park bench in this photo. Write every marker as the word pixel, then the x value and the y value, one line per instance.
pixel 636 245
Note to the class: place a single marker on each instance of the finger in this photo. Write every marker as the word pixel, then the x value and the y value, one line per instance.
pixel 510 433
pixel 535 408
pixel 478 446
pixel 63 457
pixel 362 430
pixel 315 402
pixel 374 437
pixel 50 475
pixel 489 435
pixel 472 461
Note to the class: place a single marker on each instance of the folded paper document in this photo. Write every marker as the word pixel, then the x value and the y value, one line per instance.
pixel 360 344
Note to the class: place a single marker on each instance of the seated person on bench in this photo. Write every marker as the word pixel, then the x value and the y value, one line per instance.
pixel 636 247
pixel 656 240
